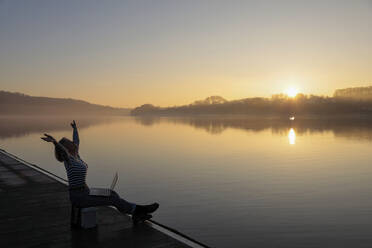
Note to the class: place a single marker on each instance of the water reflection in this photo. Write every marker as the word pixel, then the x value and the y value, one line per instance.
pixel 350 128
pixel 292 136
pixel 18 126
pixel 342 127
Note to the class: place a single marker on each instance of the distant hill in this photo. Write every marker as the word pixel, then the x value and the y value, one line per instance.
pixel 146 109
pixel 357 101
pixel 21 104
pixel 356 93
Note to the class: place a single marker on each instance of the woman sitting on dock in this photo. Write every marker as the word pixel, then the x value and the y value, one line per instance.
pixel 67 151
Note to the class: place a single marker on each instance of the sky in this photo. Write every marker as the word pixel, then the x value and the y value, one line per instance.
pixel 127 53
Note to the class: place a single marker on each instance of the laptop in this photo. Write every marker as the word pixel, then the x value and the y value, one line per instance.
pixel 104 191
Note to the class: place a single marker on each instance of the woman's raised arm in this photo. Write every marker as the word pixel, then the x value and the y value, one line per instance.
pixel 75 134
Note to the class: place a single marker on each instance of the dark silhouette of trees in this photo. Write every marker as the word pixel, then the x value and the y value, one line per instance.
pixel 346 101
pixel 356 93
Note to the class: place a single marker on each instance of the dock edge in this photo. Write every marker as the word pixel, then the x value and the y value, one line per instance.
pixel 183 238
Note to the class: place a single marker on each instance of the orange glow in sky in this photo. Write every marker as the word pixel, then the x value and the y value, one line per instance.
pixel 126 54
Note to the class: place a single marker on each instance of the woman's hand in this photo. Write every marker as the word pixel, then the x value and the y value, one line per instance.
pixel 73 124
pixel 48 138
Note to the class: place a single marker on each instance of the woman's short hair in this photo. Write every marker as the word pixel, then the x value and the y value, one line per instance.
pixel 58 151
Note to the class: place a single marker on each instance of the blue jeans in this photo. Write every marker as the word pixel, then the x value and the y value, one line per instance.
pixel 81 198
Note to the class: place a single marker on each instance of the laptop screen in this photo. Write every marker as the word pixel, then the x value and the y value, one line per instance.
pixel 114 181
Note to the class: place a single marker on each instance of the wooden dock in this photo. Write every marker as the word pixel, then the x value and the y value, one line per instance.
pixel 35 212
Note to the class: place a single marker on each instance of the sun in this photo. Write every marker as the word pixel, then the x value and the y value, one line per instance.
pixel 291 92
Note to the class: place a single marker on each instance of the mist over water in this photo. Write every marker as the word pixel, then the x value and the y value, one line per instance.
pixel 239 180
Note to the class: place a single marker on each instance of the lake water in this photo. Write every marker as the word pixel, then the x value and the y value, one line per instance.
pixel 226 181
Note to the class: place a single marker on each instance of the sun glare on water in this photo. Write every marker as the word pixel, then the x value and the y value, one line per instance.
pixel 291 92
pixel 292 136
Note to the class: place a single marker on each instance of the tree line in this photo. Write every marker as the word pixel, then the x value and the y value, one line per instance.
pixel 344 101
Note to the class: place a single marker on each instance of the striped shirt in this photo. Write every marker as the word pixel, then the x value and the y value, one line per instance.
pixel 76 170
